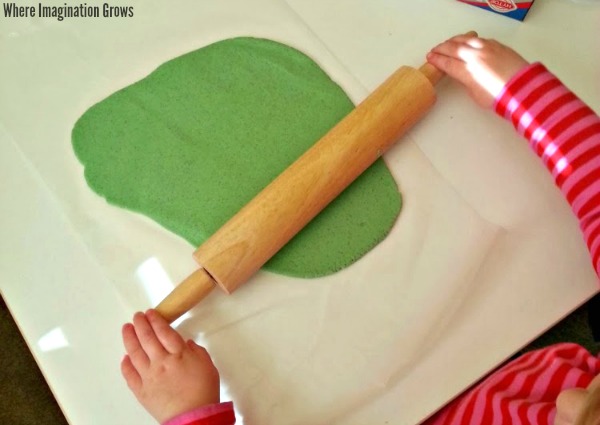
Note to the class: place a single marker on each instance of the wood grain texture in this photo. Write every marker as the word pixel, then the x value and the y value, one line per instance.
pixel 186 295
pixel 251 237
pixel 239 248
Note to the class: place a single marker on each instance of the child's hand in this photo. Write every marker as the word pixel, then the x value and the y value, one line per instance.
pixel 482 66
pixel 167 375
pixel 573 405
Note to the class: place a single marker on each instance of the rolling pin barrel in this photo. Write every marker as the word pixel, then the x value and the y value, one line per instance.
pixel 261 228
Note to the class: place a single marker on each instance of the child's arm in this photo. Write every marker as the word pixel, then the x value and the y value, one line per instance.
pixel 561 129
pixel 565 133
pixel 525 390
pixel 176 381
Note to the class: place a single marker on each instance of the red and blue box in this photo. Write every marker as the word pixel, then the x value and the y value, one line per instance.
pixel 516 9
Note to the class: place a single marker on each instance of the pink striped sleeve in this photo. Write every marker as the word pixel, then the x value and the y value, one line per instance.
pixel 565 133
pixel 214 414
pixel 524 391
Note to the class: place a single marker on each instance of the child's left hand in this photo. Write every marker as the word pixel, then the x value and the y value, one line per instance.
pixel 572 403
pixel 167 375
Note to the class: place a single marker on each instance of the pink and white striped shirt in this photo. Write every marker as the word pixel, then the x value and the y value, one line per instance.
pixel 565 133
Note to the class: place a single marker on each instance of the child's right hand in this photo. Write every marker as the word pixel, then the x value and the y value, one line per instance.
pixel 168 375
pixel 482 66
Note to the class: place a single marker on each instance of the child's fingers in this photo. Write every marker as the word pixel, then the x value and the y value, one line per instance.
pixel 472 51
pixel 451 49
pixel 471 40
pixel 202 353
pixel 169 338
pixel 148 340
pixel 454 67
pixel 138 356
pixel 131 375
pixel 199 349
pixel 569 403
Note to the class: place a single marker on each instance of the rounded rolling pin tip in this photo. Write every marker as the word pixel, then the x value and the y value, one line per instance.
pixel 186 295
pixel 432 73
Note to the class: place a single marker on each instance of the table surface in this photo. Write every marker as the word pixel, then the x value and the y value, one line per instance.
pixel 484 257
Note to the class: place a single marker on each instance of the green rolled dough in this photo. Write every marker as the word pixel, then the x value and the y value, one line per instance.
pixel 196 139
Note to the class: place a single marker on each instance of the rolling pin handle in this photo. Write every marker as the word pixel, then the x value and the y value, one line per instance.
pixel 186 295
pixel 432 73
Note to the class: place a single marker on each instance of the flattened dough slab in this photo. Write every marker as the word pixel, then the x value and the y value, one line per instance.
pixel 194 141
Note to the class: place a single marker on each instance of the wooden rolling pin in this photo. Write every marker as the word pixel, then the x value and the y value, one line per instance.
pixel 261 228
